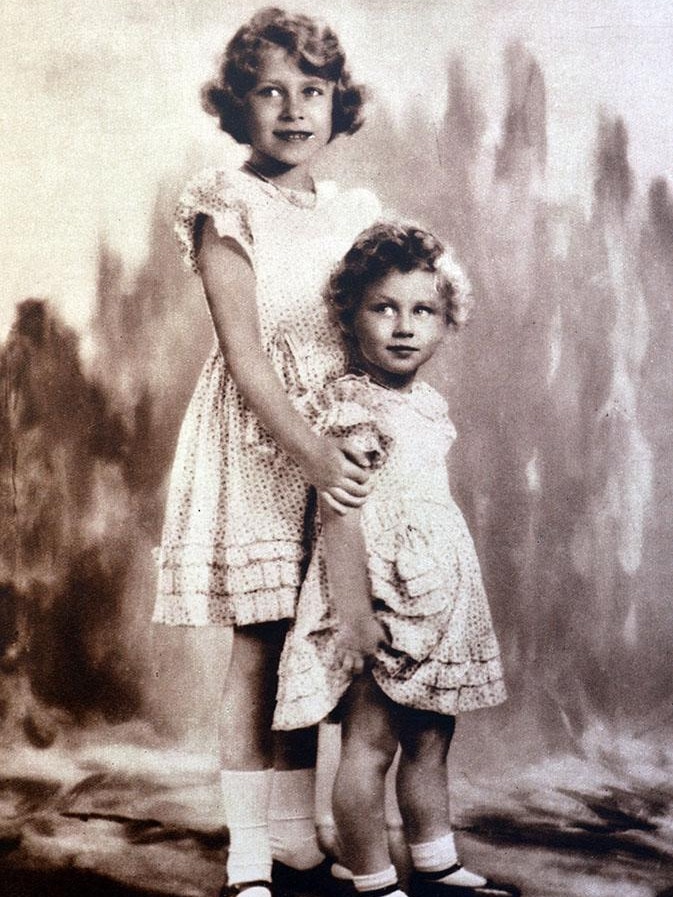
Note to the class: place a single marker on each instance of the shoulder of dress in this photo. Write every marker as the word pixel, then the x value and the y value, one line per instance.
pixel 364 194
pixel 215 186
pixel 430 402
pixel 353 197
pixel 366 199
pixel 350 390
pixel 220 194
pixel 351 387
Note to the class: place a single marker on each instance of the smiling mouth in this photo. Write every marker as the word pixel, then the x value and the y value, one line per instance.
pixel 293 136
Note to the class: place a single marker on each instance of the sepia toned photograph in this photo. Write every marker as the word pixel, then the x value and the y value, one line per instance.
pixel 336 466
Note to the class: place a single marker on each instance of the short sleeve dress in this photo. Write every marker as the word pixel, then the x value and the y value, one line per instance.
pixel 232 546
pixel 426 586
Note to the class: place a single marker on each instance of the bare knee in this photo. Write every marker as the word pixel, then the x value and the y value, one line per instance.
pixel 364 753
pixel 425 738
pixel 369 736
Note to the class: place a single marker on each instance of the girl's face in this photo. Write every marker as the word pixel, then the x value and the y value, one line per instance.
pixel 288 116
pixel 398 325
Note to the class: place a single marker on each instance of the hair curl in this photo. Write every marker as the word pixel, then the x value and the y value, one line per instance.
pixel 389 246
pixel 315 48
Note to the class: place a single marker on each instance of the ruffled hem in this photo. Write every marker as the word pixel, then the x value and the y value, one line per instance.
pixel 310 683
pixel 448 668
pixel 202 609
pixel 237 585
pixel 447 701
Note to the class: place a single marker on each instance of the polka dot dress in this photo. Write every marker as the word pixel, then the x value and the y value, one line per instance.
pixel 426 585
pixel 232 543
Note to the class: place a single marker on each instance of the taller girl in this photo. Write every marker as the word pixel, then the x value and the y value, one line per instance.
pixel 263 239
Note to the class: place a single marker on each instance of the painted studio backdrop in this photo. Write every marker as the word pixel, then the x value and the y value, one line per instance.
pixel 536 138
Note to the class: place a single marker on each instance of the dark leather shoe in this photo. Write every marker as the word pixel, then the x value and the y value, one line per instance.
pixel 424 884
pixel 317 880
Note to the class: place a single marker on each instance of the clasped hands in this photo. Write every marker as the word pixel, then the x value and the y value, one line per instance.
pixel 340 474
pixel 358 640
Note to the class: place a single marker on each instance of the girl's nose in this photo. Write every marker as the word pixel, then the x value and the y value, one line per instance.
pixel 403 325
pixel 293 108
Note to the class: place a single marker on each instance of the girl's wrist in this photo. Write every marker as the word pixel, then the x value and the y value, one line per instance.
pixel 309 454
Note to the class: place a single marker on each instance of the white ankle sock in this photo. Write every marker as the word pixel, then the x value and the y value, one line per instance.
pixel 433 856
pixel 245 799
pixel 375 880
pixel 293 835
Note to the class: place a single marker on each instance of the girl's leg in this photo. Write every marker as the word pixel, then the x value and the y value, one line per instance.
pixel 294 841
pixel 246 748
pixel 368 746
pixel 248 699
pixel 423 797
pixel 422 791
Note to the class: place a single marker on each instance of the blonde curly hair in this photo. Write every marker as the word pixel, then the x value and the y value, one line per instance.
pixel 389 246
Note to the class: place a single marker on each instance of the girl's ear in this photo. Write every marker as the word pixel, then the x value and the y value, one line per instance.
pixel 346 329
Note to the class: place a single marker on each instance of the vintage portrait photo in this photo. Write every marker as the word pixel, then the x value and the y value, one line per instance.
pixel 336 349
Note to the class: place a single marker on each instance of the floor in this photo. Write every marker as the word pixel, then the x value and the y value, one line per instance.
pixel 121 819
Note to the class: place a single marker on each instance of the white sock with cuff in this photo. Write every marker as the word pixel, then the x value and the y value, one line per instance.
pixel 374 881
pixel 433 856
pixel 245 800
pixel 293 836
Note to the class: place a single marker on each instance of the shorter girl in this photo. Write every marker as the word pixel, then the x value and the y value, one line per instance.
pixel 393 625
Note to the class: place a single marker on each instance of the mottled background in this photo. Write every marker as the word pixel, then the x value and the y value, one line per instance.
pixel 537 138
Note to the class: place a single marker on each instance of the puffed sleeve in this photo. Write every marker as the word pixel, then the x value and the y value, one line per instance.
pixel 212 194
pixel 365 207
pixel 347 409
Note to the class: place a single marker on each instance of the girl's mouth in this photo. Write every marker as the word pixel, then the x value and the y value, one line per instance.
pixel 293 136
pixel 402 350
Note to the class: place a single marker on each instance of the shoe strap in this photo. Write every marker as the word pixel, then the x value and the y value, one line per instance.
pixel 380 892
pixel 442 873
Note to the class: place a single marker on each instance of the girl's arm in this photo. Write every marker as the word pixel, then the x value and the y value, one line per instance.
pixel 229 284
pixel 360 632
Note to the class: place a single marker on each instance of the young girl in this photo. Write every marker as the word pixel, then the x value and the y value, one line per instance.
pixel 393 626
pixel 263 240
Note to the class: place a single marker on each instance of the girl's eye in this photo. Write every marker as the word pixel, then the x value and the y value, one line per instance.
pixel 382 308
pixel 314 92
pixel 425 311
pixel 268 91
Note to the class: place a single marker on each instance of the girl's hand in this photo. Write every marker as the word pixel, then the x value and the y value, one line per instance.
pixel 339 476
pixel 359 640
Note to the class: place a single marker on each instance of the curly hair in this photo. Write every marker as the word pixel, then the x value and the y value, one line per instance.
pixel 389 246
pixel 315 48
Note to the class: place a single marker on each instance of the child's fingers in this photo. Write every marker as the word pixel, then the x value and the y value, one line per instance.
pixel 360 459
pixel 354 471
pixel 353 663
pixel 344 498
pixel 352 480
pixel 333 503
pixel 356 492
pixel 352 494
